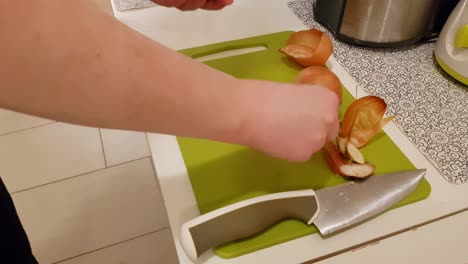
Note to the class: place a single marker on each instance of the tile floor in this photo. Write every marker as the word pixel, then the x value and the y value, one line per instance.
pixel 85 195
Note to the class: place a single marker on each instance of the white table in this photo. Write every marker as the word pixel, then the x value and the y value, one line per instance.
pixel 180 30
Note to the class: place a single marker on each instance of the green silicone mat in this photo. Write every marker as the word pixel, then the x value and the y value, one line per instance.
pixel 222 173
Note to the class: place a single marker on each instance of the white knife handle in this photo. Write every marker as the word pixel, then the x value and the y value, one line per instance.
pixel 246 218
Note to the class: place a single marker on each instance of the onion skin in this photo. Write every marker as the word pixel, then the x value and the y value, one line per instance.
pixel 361 138
pixel 302 54
pixel 363 114
pixel 310 47
pixel 334 158
pixel 320 75
pixel 363 119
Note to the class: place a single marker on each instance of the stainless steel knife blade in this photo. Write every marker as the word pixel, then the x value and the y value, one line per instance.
pixel 350 203
pixel 329 209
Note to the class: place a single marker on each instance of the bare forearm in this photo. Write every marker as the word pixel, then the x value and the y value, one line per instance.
pixel 67 61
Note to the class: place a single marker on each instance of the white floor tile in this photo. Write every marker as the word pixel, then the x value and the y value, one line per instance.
pixel 81 214
pixel 11 121
pixel 49 153
pixel 149 249
pixel 122 146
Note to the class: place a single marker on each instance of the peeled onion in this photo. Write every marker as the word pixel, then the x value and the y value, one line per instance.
pixel 339 165
pixel 355 154
pixel 321 75
pixel 309 47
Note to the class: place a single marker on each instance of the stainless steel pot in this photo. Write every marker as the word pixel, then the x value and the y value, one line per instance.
pixel 383 22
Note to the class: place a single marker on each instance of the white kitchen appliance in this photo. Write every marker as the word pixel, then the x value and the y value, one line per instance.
pixel 452 45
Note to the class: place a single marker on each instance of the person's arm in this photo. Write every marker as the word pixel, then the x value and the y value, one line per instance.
pixel 68 61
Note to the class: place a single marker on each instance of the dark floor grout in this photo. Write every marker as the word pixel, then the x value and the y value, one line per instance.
pixel 111 245
pixel 82 174
pixel 29 128
pixel 102 146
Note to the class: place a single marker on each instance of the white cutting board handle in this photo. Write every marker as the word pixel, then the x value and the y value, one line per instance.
pixel 246 218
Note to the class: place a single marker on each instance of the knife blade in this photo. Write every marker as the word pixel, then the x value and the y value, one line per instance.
pixel 330 209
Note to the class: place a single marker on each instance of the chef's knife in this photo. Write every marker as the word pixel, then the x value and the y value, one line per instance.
pixel 329 209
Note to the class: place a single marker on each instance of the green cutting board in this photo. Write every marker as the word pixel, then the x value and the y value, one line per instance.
pixel 222 173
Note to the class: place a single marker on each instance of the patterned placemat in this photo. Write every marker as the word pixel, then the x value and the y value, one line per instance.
pixel 122 5
pixel 430 107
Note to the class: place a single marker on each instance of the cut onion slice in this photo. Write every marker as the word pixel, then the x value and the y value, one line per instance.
pixel 357 170
pixel 355 154
pixel 339 165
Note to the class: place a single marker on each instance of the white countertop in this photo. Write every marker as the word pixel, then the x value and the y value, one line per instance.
pixel 180 30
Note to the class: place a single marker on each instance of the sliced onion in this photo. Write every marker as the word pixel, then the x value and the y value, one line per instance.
pixel 357 170
pixel 363 119
pixel 321 75
pixel 339 165
pixel 354 153
pixel 309 47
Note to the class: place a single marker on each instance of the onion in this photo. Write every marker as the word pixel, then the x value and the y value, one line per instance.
pixel 321 75
pixel 363 119
pixel 362 137
pixel 355 154
pixel 309 47
pixel 339 165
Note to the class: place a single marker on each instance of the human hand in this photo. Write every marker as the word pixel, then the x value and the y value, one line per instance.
pixel 290 121
pixel 187 5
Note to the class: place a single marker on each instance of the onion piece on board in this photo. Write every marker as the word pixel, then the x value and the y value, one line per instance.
pixel 309 47
pixel 320 75
pixel 339 165
pixel 363 119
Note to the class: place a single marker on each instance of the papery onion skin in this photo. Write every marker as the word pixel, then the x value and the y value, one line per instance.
pixel 364 113
pixel 302 54
pixel 309 47
pixel 308 37
pixel 360 138
pixel 321 75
